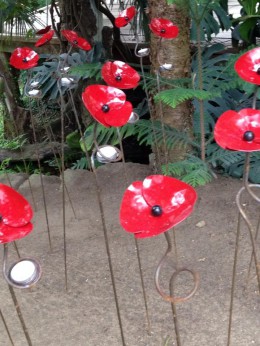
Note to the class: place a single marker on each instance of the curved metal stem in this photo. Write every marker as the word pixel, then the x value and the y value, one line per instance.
pixel 246 178
pixel 172 298
pixel 250 228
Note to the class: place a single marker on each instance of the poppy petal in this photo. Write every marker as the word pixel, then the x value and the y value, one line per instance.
pixel 125 17
pixel 76 40
pixel 247 66
pixel 14 208
pixel 103 100
pixel 137 213
pixel 43 31
pixel 8 233
pixel 120 75
pixel 163 28
pixel 119 117
pixel 232 128
pixel 24 58
pixel 45 38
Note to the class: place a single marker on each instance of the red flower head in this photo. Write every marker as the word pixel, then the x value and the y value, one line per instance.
pixel 125 17
pixel 120 75
pixel 44 30
pixel 239 130
pixel 155 205
pixel 76 40
pixel 107 105
pixel 163 28
pixel 16 214
pixel 24 58
pixel 247 66
pixel 44 39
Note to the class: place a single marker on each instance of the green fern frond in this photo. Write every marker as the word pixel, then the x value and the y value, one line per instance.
pixel 151 132
pixel 105 135
pixel 225 157
pixel 198 177
pixel 173 97
pixel 87 70
pixel 193 171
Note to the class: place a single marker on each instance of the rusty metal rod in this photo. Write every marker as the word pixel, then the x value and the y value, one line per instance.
pixel 6 328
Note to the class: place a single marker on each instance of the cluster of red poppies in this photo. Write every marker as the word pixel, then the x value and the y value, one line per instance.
pixel 159 202
pixel 241 130
pixel 25 58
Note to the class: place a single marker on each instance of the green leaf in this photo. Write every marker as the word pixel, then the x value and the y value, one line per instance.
pixel 173 97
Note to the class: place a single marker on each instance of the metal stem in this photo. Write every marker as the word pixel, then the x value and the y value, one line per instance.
pixel 172 298
pixel 233 281
pixel 41 177
pixel 6 328
pixel 108 250
pixel 136 244
pixel 20 315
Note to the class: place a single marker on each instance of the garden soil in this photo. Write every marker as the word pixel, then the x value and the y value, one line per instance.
pixel 85 313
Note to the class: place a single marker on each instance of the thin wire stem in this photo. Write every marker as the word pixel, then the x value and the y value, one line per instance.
pixel 233 281
pixel 101 208
pixel 136 243
pixel 20 315
pixel 6 328
pixel 41 176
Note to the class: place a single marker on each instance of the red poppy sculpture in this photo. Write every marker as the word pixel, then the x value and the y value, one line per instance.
pixel 239 130
pixel 16 214
pixel 75 40
pixel 24 58
pixel 247 66
pixel 45 38
pixel 125 17
pixel 44 30
pixel 155 205
pixel 120 75
pixel 163 28
pixel 107 105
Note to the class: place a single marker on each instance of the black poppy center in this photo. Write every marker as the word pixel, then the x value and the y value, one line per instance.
pixel 258 71
pixel 248 136
pixel 25 60
pixel 105 108
pixel 162 31
pixel 75 41
pixel 118 78
pixel 156 210
pixel 1 218
pixel 127 18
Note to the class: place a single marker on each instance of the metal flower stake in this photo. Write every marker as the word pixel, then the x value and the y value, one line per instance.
pixel 241 131
pixel 152 207
pixel 15 223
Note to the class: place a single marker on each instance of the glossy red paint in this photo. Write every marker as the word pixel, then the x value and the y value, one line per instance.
pixel 43 31
pixel 155 205
pixel 107 105
pixel 120 75
pixel 239 130
pixel 76 40
pixel 16 214
pixel 125 17
pixel 24 58
pixel 45 38
pixel 163 28
pixel 247 66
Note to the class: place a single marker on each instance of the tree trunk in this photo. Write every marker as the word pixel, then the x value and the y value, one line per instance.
pixel 176 52
pixel 17 121
pixel 78 15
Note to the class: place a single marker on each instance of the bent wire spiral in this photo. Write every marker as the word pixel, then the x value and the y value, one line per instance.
pixel 171 298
